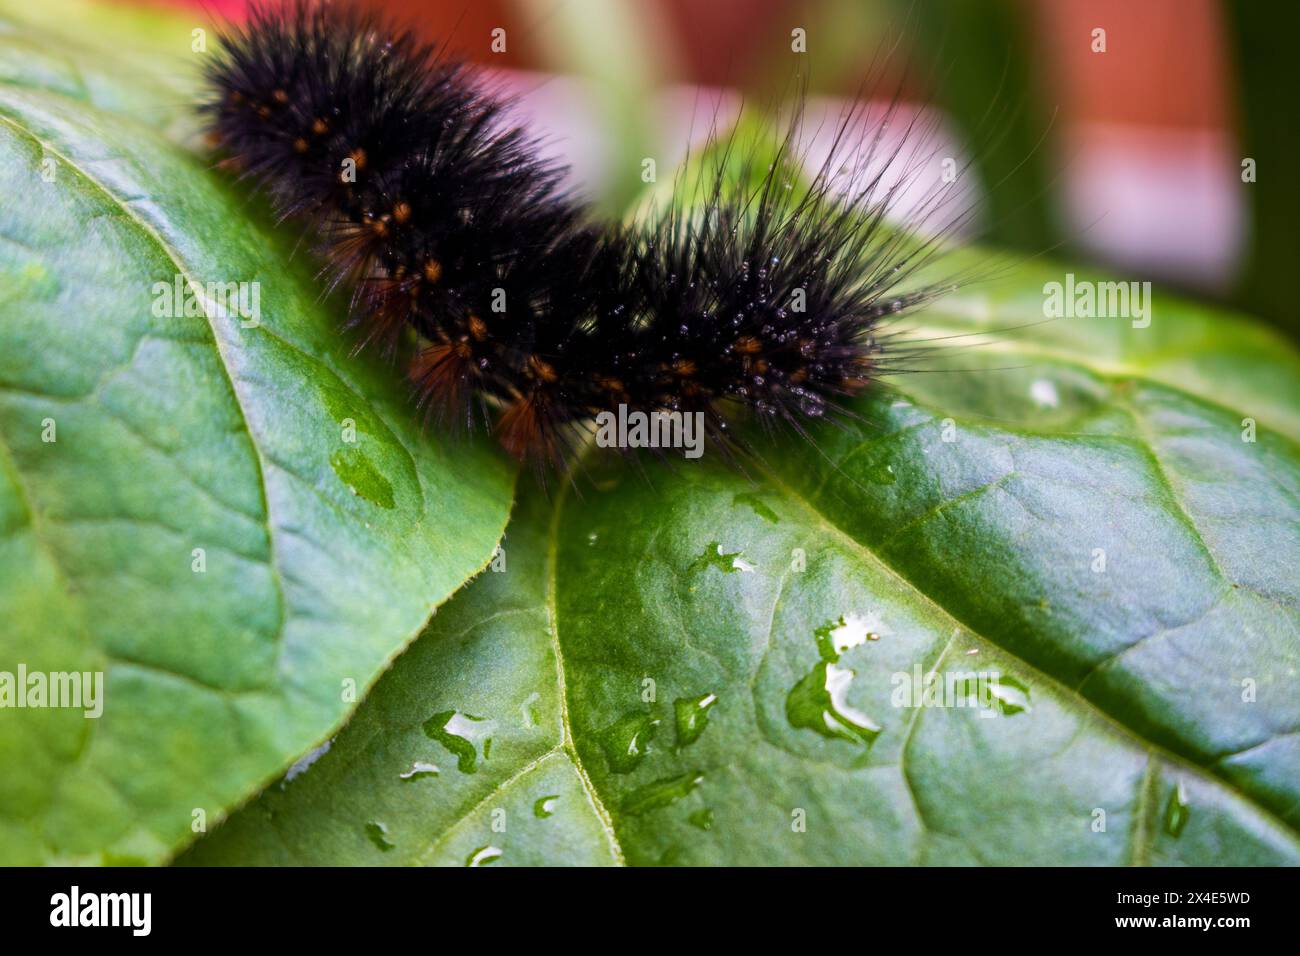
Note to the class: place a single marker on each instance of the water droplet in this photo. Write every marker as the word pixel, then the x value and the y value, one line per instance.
pixel 661 793
pixel 528 712
pixel 702 818
pixel 1011 695
pixel 713 556
pixel 419 769
pixel 378 834
pixel 882 473
pixel 1176 810
pixel 544 807
pixel 306 761
pixel 626 741
pixel 846 633
pixel 461 734
pixel 818 703
pixel 484 855
pixel 692 717
pixel 1043 392
pixel 760 508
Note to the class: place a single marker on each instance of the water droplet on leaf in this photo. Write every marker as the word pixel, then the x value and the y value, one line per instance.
pixel 818 703
pixel 692 715
pixel 462 734
pixel 484 855
pixel 378 835
pixel 661 793
pixel 1176 810
pixel 702 818
pixel 627 740
pixel 419 769
pixel 714 557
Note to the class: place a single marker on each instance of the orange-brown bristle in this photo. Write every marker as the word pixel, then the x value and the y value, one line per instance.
pixel 528 429
pixel 441 375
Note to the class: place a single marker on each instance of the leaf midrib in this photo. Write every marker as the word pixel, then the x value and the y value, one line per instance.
pixel 567 742
pixel 1081 704
pixel 566 746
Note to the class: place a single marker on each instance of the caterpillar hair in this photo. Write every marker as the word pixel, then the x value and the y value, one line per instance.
pixel 758 291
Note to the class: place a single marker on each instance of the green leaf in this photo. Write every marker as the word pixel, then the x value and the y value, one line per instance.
pixel 470 730
pixel 1161 692
pixel 776 622
pixel 183 503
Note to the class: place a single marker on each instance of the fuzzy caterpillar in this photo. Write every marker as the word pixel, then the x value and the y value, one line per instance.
pixel 462 252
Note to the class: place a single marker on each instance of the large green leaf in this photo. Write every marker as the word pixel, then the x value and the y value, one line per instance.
pixel 1161 691
pixel 471 724
pixel 328 526
pixel 1158 697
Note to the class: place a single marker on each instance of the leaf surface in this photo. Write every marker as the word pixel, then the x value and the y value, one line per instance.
pixel 234 521
pixel 1067 536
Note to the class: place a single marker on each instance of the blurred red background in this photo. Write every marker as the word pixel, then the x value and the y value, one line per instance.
pixel 1176 77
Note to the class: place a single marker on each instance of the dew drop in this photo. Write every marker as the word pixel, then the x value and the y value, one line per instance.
pixel 528 711
pixel 1043 392
pixel 419 769
pixel 818 702
pixel 1176 810
pixel 702 818
pixel 847 632
pixel 692 714
pixel 713 556
pixel 882 474
pixel 661 793
pixel 484 855
pixel 462 734
pixel 627 740
pixel 306 760
pixel 1011 695
pixel 544 807
pixel 378 835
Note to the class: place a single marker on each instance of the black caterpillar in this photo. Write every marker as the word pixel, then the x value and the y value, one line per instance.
pixel 755 290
